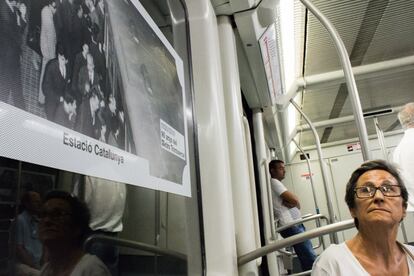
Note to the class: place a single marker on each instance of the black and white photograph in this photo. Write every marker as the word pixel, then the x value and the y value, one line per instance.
pixel 100 68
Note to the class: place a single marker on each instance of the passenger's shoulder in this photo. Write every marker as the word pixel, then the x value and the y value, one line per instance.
pixel 91 265
pixel 333 251
pixel 329 262
pixel 409 247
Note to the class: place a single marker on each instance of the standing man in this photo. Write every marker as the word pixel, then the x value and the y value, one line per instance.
pixel 12 24
pixel 28 247
pixel 404 153
pixel 286 209
pixel 87 78
pixel 56 80
pixel 47 41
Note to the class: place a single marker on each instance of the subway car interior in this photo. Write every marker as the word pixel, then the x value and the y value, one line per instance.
pixel 195 99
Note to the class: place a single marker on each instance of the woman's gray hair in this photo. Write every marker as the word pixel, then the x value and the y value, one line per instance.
pixel 406 116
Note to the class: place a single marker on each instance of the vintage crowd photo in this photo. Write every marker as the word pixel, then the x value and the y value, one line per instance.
pixel 62 60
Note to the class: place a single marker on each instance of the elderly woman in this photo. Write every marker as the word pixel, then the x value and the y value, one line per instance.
pixel 64 224
pixel 377 199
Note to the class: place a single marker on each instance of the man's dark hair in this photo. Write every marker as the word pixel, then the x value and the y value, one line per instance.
pixel 95 31
pixel 273 163
pixel 369 166
pixel 68 98
pixel 60 50
pixel 26 198
pixel 80 215
pixel 95 91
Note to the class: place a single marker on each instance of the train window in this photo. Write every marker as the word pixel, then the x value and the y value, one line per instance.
pixel 90 104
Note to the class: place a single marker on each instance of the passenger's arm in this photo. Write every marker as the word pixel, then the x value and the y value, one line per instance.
pixel 290 200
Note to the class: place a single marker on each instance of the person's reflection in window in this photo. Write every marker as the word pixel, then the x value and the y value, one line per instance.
pixel 64 224
pixel 28 246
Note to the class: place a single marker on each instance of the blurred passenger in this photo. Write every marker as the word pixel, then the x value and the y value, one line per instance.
pixel 377 199
pixel 286 209
pixel 87 121
pixel 404 152
pixel 28 247
pixel 97 52
pixel 12 24
pixel 56 81
pixel 64 225
pixel 87 78
pixel 114 122
pixel 80 33
pixel 34 25
pixel 66 111
pixel 65 13
pixel 80 62
pixel 47 41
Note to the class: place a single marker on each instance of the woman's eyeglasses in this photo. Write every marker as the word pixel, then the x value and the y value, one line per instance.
pixel 386 190
pixel 53 214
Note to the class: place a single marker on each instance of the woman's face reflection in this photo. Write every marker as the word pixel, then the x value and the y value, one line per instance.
pixel 56 222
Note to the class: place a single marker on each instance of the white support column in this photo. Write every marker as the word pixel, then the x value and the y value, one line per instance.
pixel 243 209
pixel 218 215
pixel 267 206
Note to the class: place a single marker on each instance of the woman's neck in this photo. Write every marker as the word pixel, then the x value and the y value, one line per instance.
pixel 63 260
pixel 378 247
pixel 375 244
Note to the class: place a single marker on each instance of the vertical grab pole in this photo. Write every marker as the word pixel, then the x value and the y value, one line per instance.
pixel 318 222
pixel 380 137
pixel 267 210
pixel 310 175
pixel 349 77
pixel 333 236
pixel 381 142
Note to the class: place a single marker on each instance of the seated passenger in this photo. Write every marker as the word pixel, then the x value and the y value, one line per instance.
pixel 377 199
pixel 286 209
pixel 28 246
pixel 64 224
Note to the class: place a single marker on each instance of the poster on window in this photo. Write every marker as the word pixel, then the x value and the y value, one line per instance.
pixel 93 87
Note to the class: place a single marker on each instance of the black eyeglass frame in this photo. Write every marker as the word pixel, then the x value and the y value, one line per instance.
pixel 378 188
pixel 54 214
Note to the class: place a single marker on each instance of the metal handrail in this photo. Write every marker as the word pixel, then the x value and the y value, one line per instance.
pixel 132 244
pixel 310 175
pixel 327 229
pixel 302 220
pixel 303 273
pixel 349 77
pixel 305 218
pixel 325 179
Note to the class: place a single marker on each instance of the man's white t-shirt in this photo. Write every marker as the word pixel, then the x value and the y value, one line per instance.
pixel 338 259
pixel 283 213
pixel 404 157
pixel 106 202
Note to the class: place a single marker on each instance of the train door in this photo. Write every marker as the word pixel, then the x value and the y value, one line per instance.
pixel 298 179
pixel 341 169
